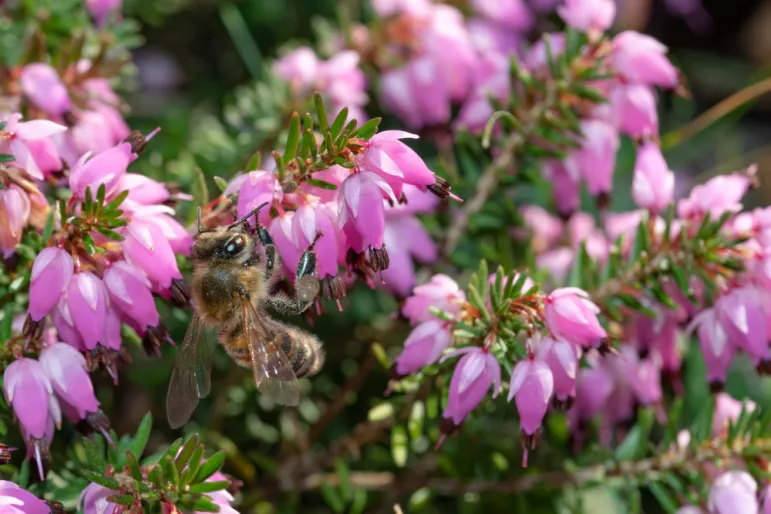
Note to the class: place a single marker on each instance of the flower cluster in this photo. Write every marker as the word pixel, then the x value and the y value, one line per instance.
pixel 15 500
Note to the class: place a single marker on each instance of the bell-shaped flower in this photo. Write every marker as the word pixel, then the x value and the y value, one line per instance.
pixel 474 374
pixel 15 500
pixel 142 191
pixel 28 390
pixel 441 292
pixel 395 162
pixel 161 216
pixel 734 492
pixel 300 68
pixel 343 82
pixel 101 9
pixel 744 323
pixel 570 315
pixel 562 359
pixel 645 378
pixel 65 326
pixel 416 93
pixel 423 346
pixel 588 15
pixel 406 238
pixel 641 59
pixel 93 500
pixel 311 218
pixel 653 185
pixel 256 188
pixel 146 247
pixel 30 144
pixel 634 109
pixel 129 289
pixel 51 273
pixel 593 390
pixel 566 184
pixel 728 410
pixel 716 349
pixel 106 167
pixel 284 236
pixel 531 387
pixel 41 84
pixel 716 196
pixel 596 159
pixel 65 368
pixel 14 214
pixel 512 14
pixel 362 214
pixel 87 302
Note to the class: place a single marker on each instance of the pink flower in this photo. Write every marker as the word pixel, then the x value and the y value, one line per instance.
pixel 300 68
pixel 146 247
pixel 562 359
pixel 532 385
pixel 101 9
pixel 641 59
pixel 42 85
pixel 596 159
pixel 406 238
pixel 512 14
pixel 416 94
pixel 689 509
pixel 310 218
pixel 142 191
pixel 491 40
pixel 716 196
pixel 644 377
pixel 728 410
pixel 111 338
pixel 715 348
pixel 29 144
pixel 744 323
pixel 634 109
pixel 256 188
pixel 14 214
pixel 491 79
pixel 87 301
pixel 447 42
pixel 734 492
pixel 343 82
pixel 129 289
pixel 593 390
pixel 93 500
pixel 282 230
pixel 395 162
pixel 537 59
pixel 66 371
pixel 566 188
pixel 544 229
pixel 475 372
pixel 51 273
pixel 362 215
pixel 654 183
pixel 161 217
pixel 557 262
pixel 441 292
pixel 570 315
pixel 28 390
pixel 106 168
pixel 423 346
pixel 15 500
pixel 588 15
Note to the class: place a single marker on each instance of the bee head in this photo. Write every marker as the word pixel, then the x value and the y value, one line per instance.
pixel 225 244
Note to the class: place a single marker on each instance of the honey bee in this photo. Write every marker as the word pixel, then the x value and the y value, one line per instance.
pixel 232 291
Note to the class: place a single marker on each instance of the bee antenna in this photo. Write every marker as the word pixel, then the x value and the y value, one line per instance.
pixel 200 225
pixel 251 213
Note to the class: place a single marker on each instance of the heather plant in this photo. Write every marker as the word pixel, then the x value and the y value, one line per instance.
pixel 518 305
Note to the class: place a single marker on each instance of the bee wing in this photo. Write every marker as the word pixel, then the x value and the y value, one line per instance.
pixel 191 378
pixel 273 372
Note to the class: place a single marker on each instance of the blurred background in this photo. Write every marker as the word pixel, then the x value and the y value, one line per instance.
pixel 195 78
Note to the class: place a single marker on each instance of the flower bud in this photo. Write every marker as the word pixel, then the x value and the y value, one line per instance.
pixel 42 85
pixel 641 59
pixel 734 492
pixel 588 15
pixel 570 315
pixel 87 303
pixel 653 184
pixel 106 168
pixel 474 374
pixel 634 109
pixel 66 370
pixel 14 214
pixel 532 385
pixel 423 346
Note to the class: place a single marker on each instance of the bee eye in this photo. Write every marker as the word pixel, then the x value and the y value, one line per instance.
pixel 235 246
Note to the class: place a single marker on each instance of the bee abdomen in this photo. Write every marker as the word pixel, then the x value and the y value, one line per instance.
pixel 237 347
pixel 304 350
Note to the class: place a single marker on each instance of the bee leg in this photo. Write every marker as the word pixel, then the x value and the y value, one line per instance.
pixel 306 286
pixel 241 289
pixel 272 260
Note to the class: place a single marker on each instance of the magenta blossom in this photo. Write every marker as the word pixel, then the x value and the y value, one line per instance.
pixel 634 109
pixel 282 230
pixel 570 315
pixel 29 144
pixel 441 292
pixel 101 9
pixel 142 191
pixel 728 410
pixel 512 14
pixel 361 214
pixel 42 85
pixel 415 94
pixel 15 500
pixel 344 83
pixel 51 273
pixel 254 189
pixel 474 374
pixel 14 214
pixel 562 359
pixel 130 290
pixel 406 238
pixel 588 15
pixel 641 59
pixel 87 301
pixel 423 346
pixel 596 159
pixel 146 247
pixel 716 196
pixel 744 323
pixel 106 168
pixel 311 218
pixel 395 162
pixel 532 385
pixel 566 185
pixel 734 492
pixel 66 371
pixel 654 183
pixel 161 216
pixel 716 350
pixel 29 391
pixel 93 500
pixel 300 68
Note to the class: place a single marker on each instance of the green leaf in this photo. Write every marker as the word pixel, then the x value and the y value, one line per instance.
pixel 253 164
pixel 100 195
pixel 664 497
pixel 121 499
pixel 323 184
pixel 332 497
pixel 380 412
pixel 321 112
pixel 204 504
pixel 337 124
pixel 292 139
pixel 308 147
pixel 187 450
pixel 133 466
pixel 368 129
pixel 359 502
pixel 702 425
pixel 476 300
pixel 4 157
pixel 88 244
pixel 115 203
pixel 209 487
pixel 221 183
pixel 88 202
pixel 415 423
pixel 174 447
pixel 109 234
pixel 211 466
pixel 170 470
pixel 399 445
pixel 137 446
pixel 200 189
pixel 94 457
pixel 48 229
pixel 193 464
pixel 103 480
pixel 344 476
pixel 156 476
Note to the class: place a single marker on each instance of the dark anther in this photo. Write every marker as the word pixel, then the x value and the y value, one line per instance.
pixel 69 119
pixel 235 485
pixel 378 258
pixel 602 201
pixel 333 288
pixel 403 200
pixel 180 292
pixel 154 338
pixel 355 259
pixel 56 507
pixel 5 454
pixel 562 405
pixel 137 140
pixel 440 187
pixel 96 422
pixel 716 387
pixel 32 329
pixel 448 427
pixel 393 374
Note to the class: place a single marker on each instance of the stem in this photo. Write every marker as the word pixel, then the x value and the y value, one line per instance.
pixel 718 111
